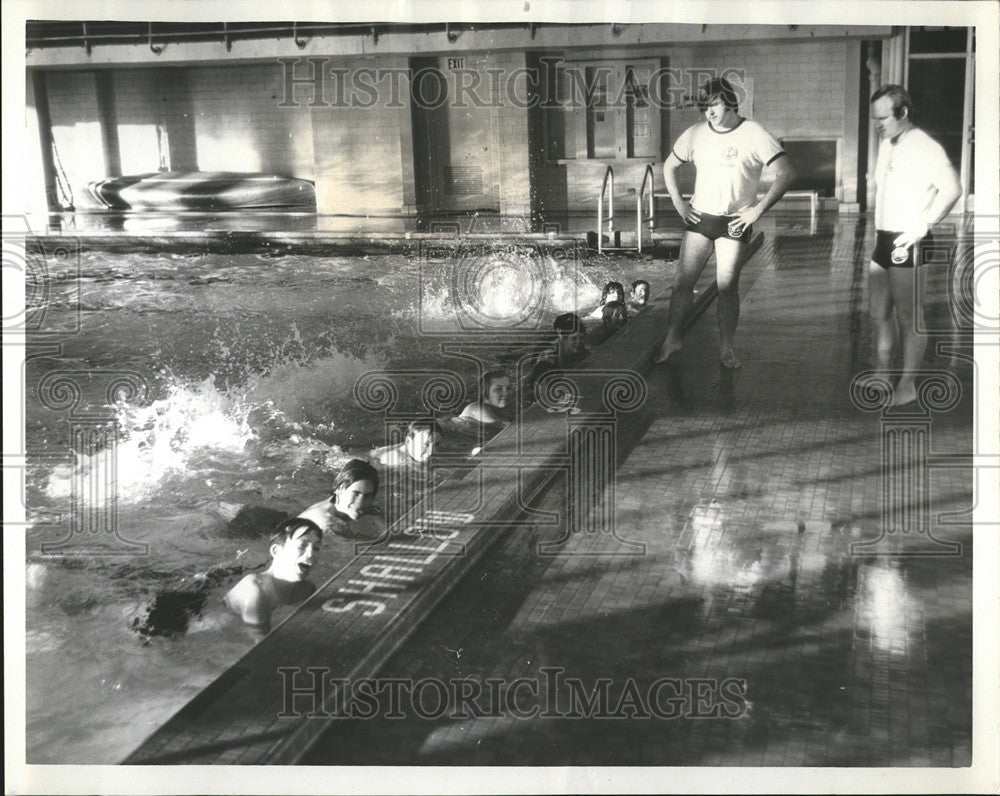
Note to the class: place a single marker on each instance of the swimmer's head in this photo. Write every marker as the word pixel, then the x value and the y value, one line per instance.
pixel 568 323
pixel 640 291
pixel 421 436
pixel 294 546
pixel 614 315
pixel 495 388
pixel 613 291
pixel 354 488
pixel 571 331
pixel 718 89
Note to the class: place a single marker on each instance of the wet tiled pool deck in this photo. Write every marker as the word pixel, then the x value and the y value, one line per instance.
pixel 781 584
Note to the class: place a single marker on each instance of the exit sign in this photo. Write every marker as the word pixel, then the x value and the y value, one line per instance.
pixel 456 63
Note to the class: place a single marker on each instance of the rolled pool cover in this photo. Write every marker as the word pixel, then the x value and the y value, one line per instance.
pixel 202 190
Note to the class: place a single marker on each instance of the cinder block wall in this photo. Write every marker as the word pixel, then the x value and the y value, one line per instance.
pixel 223 118
pixel 215 118
pixel 240 124
pixel 361 164
pixel 76 131
pixel 515 182
pixel 233 118
pixel 143 100
pixel 799 87
pixel 31 171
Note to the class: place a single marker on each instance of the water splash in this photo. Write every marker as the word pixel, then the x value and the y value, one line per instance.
pixel 196 429
pixel 164 438
pixel 313 396
pixel 502 289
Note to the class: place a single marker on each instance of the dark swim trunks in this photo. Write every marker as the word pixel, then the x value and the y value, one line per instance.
pixel 714 227
pixel 888 255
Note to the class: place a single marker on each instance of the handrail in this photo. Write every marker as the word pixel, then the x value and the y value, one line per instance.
pixel 609 175
pixel 647 177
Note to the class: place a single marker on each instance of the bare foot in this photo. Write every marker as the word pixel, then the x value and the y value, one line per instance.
pixel 730 360
pixel 874 389
pixel 667 350
pixel 905 393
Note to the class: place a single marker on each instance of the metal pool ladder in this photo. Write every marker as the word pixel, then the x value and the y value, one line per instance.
pixel 609 179
pixel 614 236
pixel 647 179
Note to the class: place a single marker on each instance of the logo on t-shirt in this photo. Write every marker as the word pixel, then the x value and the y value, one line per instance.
pixel 731 153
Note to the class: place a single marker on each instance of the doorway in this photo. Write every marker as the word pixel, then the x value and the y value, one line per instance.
pixel 455 134
pixel 940 77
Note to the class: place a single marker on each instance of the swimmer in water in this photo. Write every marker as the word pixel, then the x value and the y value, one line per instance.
pixel 640 295
pixel 570 346
pixel 495 396
pixel 569 349
pixel 294 547
pixel 416 448
pixel 613 318
pixel 613 291
pixel 345 511
pixel 547 387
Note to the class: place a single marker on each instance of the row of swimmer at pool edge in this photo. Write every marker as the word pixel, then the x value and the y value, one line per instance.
pixel 916 186
pixel 295 543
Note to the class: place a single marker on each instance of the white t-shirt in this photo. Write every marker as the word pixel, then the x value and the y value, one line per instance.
pixel 907 174
pixel 728 163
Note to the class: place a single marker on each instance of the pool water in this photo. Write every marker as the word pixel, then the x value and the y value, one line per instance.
pixel 247 408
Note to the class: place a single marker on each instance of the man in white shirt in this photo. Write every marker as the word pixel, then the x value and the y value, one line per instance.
pixel 915 187
pixel 729 153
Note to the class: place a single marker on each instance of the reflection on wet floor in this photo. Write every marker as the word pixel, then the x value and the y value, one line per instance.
pixel 804 246
pixel 755 492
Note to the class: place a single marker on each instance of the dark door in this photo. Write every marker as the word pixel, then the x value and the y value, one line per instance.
pixel 456 132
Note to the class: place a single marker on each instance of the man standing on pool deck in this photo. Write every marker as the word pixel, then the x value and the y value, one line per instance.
pixel 729 153
pixel 915 187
